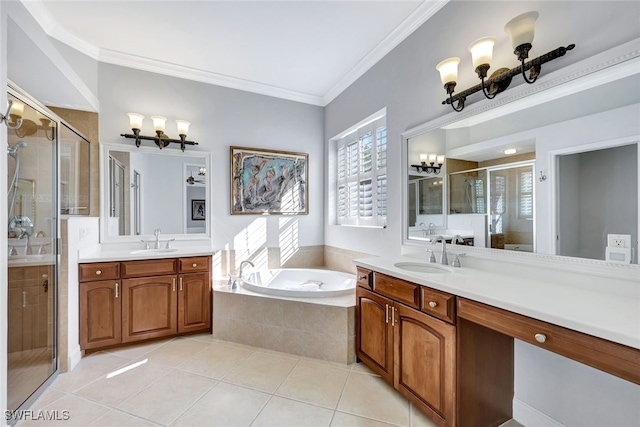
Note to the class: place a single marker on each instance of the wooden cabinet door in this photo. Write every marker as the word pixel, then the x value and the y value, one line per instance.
pixel 425 363
pixel 100 314
pixel 194 302
pixel 374 332
pixel 149 307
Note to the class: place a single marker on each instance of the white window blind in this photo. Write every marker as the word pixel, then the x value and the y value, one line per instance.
pixel 361 175
pixel 525 205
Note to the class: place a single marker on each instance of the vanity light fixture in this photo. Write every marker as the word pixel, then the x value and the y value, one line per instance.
pixel 428 163
pixel 27 126
pixel 161 139
pixel 521 31
pixel 202 171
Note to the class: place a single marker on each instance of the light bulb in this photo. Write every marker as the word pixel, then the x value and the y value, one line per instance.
pixel 183 127
pixel 135 120
pixel 448 70
pixel 158 123
pixel 482 51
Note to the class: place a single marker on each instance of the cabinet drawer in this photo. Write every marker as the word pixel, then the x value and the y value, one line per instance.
pixel 193 264
pixel 439 304
pixel 99 271
pixel 364 277
pixel 616 359
pixel 397 289
pixel 152 267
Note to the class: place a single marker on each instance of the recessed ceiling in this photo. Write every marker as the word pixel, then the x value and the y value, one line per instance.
pixel 307 51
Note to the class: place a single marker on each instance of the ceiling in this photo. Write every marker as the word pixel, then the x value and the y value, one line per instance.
pixel 306 51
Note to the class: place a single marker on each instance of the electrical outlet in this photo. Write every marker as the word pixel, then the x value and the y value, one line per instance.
pixel 619 240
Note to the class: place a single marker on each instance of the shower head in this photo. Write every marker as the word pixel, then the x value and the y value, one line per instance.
pixel 12 150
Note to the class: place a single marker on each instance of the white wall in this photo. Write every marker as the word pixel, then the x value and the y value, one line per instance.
pixel 407 84
pixel 220 118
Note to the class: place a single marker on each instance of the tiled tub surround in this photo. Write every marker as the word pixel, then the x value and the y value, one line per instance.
pixel 320 328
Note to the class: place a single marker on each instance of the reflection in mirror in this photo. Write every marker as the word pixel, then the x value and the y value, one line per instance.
pixel 425 202
pixel 147 191
pixel 467 192
pixel 75 172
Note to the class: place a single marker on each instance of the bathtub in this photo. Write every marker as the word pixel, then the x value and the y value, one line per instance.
pixel 301 283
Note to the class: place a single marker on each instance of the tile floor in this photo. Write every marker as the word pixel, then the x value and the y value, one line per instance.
pixel 201 381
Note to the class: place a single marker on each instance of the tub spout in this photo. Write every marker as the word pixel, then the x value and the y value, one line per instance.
pixel 242 265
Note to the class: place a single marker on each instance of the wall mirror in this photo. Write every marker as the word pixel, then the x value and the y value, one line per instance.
pixel 143 190
pixel 557 194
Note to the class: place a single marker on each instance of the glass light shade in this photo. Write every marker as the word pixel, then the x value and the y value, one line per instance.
pixel 183 127
pixel 158 123
pixel 521 28
pixel 482 51
pixel 432 158
pixel 17 109
pixel 448 70
pixel 135 120
pixel 423 158
pixel 440 159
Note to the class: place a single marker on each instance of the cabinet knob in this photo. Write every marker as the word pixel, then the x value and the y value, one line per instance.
pixel 194 265
pixel 433 304
pixel 541 338
pixel 362 278
pixel 98 272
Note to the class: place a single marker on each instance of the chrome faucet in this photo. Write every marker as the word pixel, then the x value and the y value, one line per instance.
pixel 156 233
pixel 241 265
pixel 457 238
pixel 443 256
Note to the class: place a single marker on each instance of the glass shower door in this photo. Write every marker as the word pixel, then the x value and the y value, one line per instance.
pixel 32 255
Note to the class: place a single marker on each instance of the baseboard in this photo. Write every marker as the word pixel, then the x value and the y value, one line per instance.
pixel 529 416
pixel 74 358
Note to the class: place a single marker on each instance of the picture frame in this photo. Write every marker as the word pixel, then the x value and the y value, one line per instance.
pixel 269 182
pixel 198 210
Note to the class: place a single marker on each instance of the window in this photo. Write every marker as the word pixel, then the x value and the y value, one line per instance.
pixel 525 197
pixel 361 173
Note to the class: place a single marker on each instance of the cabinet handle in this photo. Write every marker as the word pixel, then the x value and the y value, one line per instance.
pixel 181 283
pixel 117 290
pixel 362 278
pixel 393 316
pixel 98 272
pixel 173 284
pixel 386 313
pixel 433 304
pixel 540 338
pixel 24 298
pixel 194 265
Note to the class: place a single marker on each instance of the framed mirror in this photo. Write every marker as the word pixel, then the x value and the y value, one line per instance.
pixel 556 194
pixel 143 189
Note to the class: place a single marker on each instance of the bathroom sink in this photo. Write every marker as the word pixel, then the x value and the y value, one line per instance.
pixel 421 267
pixel 153 251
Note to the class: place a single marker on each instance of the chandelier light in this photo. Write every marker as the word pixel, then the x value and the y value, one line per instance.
pixel 521 32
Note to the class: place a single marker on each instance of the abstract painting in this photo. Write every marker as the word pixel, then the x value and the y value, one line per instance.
pixel 198 212
pixel 266 181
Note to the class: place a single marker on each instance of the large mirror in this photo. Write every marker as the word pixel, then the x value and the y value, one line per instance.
pixel 558 177
pixel 144 190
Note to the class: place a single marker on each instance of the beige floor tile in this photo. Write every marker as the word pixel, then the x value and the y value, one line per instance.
pixel 215 361
pixel 313 383
pixel 88 370
pixel 80 412
pixel 337 365
pixel 117 418
pixel 49 396
pixel 281 412
pixel 175 352
pixel 347 420
pixel 115 389
pixel 204 337
pixel 136 350
pixel 362 368
pixel 419 419
pixel 166 399
pixel 225 405
pixel 261 371
pixel 369 396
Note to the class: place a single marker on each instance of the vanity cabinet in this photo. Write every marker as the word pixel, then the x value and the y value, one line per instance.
pixel 412 350
pixel 145 299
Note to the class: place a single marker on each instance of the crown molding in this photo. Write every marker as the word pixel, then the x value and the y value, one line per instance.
pixel 418 17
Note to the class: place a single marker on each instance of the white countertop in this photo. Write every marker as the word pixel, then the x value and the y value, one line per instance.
pixel 611 314
pixel 30 260
pixel 101 253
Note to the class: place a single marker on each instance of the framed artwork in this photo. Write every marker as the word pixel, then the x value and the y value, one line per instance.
pixel 198 212
pixel 267 181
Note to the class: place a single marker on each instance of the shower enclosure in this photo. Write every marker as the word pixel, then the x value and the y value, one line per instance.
pixel 32 252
